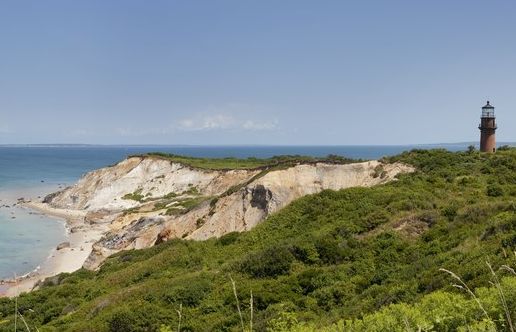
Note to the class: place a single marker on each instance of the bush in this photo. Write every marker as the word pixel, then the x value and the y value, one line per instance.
pixel 135 196
pixel 122 321
pixel 228 238
pixel 271 262
pixel 494 191
pixel 450 212
pixel 306 252
pixel 329 251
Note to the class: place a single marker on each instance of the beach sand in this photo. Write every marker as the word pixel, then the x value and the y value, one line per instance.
pixel 81 237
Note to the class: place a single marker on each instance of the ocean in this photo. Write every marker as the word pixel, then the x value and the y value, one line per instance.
pixel 27 238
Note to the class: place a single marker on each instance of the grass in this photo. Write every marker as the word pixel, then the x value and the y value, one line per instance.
pixel 247 163
pixel 326 261
pixel 173 203
pixel 184 205
pixel 135 196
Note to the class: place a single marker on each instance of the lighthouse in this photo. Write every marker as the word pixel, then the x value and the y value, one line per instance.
pixel 487 129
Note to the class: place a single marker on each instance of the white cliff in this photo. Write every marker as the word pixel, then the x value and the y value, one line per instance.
pixel 146 200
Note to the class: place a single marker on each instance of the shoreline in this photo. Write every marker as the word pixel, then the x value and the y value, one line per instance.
pixel 69 258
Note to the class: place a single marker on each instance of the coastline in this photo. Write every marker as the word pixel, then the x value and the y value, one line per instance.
pixel 81 237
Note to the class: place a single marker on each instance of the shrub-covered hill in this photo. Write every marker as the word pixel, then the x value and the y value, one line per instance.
pixel 322 260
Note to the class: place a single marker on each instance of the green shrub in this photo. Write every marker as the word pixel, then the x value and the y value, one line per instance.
pixel 329 251
pixel 494 191
pixel 450 212
pixel 122 320
pixel 228 238
pixel 306 252
pixel 135 196
pixel 271 262
pixel 190 295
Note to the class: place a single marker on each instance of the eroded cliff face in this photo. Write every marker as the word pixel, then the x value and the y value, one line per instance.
pixel 152 178
pixel 244 209
pixel 148 201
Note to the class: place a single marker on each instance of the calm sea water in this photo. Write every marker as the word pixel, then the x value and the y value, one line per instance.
pixel 27 239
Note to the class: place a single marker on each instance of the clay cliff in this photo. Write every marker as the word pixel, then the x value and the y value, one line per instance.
pixel 146 200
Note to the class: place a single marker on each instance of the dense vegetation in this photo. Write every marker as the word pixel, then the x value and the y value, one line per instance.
pixel 360 259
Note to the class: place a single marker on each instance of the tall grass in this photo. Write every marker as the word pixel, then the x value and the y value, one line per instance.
pixel 464 286
pixel 237 303
pixel 251 306
pixel 179 314
pixel 501 295
pixel 16 309
pixel 495 282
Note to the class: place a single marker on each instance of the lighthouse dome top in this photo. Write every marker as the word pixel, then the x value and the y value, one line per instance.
pixel 488 111
pixel 488 105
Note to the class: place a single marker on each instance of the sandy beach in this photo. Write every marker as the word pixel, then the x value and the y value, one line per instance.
pixel 69 258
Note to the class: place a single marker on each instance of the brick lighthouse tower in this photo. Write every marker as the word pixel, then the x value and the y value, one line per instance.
pixel 487 129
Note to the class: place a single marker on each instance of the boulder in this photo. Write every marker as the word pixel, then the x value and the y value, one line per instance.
pixel 63 245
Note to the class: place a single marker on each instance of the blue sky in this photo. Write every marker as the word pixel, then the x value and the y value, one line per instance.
pixel 255 72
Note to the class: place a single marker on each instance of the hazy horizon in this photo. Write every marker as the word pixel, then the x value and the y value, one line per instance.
pixel 255 73
pixel 237 145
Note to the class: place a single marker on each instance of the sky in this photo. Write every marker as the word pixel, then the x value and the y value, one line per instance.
pixel 255 72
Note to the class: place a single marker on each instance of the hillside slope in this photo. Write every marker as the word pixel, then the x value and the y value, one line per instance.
pixel 326 258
